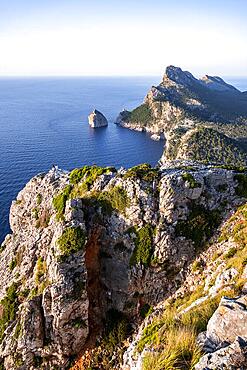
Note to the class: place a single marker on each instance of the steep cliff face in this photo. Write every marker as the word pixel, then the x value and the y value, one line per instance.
pixel 95 242
pixel 181 104
pixel 44 301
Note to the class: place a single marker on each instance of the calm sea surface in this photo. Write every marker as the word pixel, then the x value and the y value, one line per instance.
pixel 43 121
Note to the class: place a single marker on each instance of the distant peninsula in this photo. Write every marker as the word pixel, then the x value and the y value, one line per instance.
pixel 183 109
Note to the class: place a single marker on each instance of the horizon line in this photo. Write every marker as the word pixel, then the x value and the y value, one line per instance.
pixel 101 76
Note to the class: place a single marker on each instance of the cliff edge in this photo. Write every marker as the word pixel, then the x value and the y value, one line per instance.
pixel 95 251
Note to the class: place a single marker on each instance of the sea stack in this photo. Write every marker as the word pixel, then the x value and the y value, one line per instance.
pixel 97 119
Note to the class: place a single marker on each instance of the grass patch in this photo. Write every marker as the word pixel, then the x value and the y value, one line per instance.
pixel 172 337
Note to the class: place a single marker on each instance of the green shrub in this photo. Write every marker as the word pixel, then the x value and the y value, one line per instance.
pixel 241 189
pixel 12 264
pixel 142 171
pixel 114 199
pixel 39 199
pixel 230 253
pixel 88 174
pixel 146 310
pixel 59 202
pixel 141 114
pixel 35 213
pixel 116 329
pixel 187 177
pixel 199 225
pixel 10 305
pixel 143 246
pixel 71 241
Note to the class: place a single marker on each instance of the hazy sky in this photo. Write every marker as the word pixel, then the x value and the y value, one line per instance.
pixel 128 37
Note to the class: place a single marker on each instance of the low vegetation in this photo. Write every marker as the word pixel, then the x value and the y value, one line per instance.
pixel 59 202
pixel 241 189
pixel 143 172
pixel 143 246
pixel 172 337
pixel 71 241
pixel 115 198
pixel 188 177
pixel 141 115
pixel 9 305
pixel 40 278
pixel 208 145
pixel 89 174
pixel 199 225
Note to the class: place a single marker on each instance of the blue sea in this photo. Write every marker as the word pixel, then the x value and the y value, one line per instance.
pixel 43 121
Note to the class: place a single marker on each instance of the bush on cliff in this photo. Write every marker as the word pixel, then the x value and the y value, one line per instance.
pixel 59 202
pixel 114 199
pixel 199 225
pixel 241 189
pixel 143 246
pixel 71 241
pixel 88 174
pixel 143 172
pixel 9 305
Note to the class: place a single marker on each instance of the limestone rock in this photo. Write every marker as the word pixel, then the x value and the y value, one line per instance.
pixel 97 119
pixel 61 301
pixel 228 321
pixel 232 357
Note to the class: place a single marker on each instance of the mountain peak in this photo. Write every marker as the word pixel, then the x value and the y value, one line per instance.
pixel 179 76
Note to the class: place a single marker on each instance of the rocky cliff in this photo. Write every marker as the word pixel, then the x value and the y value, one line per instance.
pixel 182 105
pixel 95 251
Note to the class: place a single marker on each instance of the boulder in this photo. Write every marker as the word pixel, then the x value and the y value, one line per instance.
pixel 97 119
pixel 229 320
pixel 232 357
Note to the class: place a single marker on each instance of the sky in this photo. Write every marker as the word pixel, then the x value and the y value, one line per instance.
pixel 128 37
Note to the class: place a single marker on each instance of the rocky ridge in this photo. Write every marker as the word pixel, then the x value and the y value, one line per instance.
pixel 182 103
pixel 92 251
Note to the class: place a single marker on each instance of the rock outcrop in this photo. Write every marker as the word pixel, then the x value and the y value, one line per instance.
pixel 98 247
pixel 97 119
pixel 227 335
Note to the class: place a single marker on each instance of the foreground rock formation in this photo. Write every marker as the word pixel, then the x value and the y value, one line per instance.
pixel 97 119
pixel 183 110
pixel 95 251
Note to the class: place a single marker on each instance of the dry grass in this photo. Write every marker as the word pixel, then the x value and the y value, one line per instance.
pixel 179 351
